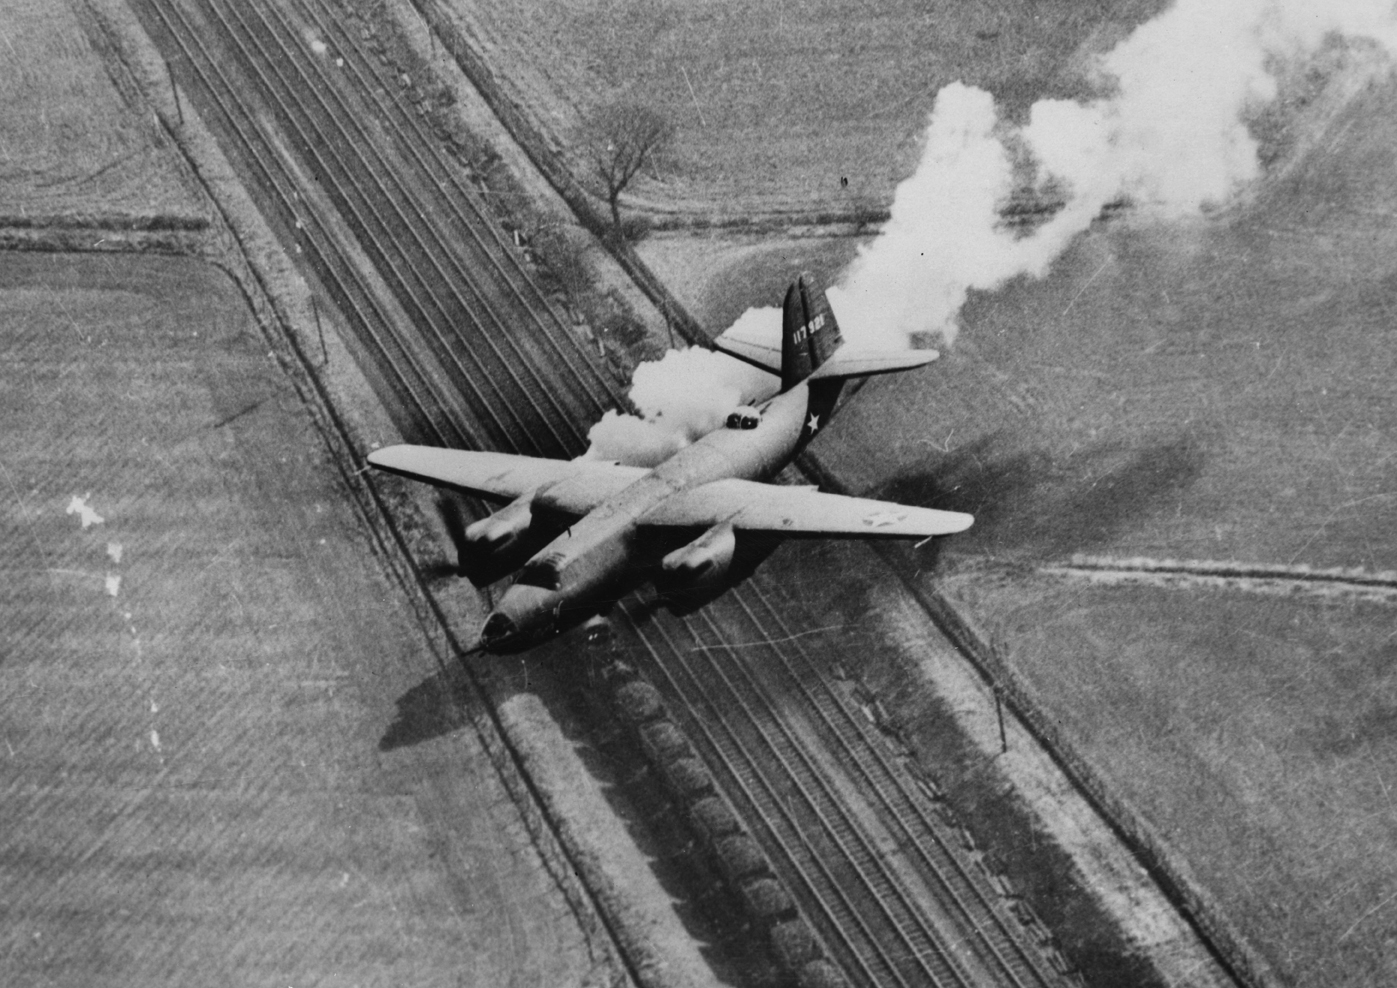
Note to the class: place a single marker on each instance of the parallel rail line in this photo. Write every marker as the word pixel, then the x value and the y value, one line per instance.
pixel 486 362
pixel 407 223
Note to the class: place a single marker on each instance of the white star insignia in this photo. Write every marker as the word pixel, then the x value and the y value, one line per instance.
pixel 814 423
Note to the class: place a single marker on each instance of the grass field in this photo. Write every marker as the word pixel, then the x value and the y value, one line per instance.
pixel 228 757
pixel 1257 735
pixel 774 104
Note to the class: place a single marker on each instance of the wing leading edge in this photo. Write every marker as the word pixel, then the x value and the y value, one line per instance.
pixel 753 506
pixel 505 476
pixel 765 357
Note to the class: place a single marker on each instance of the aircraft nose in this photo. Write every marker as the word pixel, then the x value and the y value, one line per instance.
pixel 525 615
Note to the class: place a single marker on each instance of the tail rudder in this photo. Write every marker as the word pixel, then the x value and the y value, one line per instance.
pixel 809 333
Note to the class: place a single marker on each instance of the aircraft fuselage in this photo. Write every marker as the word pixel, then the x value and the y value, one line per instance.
pixel 592 560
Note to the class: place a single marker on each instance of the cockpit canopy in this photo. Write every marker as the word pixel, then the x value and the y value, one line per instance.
pixel 544 572
pixel 745 417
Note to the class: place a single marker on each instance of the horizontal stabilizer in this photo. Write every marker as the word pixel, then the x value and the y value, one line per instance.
pixel 844 363
pixel 852 363
pixel 580 484
pixel 765 357
pixel 757 507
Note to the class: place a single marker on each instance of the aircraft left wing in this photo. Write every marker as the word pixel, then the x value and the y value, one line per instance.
pixel 577 486
pixel 753 506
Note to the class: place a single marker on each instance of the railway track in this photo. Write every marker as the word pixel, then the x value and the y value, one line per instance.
pixel 468 352
pixel 858 838
pixel 466 340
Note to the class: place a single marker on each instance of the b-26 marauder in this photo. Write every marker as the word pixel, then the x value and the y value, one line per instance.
pixel 584 530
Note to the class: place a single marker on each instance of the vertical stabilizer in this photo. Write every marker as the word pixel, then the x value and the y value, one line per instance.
pixel 809 333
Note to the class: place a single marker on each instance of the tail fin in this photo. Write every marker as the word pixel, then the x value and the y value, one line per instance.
pixel 809 333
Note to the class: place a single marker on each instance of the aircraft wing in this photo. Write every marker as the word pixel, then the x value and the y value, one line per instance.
pixel 573 486
pixel 753 506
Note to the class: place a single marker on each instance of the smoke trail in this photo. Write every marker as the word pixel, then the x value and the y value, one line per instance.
pixel 1171 137
pixel 1169 134
pixel 681 397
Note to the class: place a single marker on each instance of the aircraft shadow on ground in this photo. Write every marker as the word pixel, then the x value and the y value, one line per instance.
pixel 431 709
pixel 1027 504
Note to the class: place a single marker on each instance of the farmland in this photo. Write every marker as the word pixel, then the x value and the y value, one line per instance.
pixel 229 753
pixel 75 152
pixel 774 104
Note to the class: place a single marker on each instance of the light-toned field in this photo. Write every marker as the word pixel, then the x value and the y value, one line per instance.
pixel 228 754
pixel 775 103
pixel 1255 734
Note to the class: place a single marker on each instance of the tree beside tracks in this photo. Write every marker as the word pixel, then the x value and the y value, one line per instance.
pixel 617 141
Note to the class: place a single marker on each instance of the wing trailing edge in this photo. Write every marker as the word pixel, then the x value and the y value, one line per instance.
pixel 847 363
pixel 752 506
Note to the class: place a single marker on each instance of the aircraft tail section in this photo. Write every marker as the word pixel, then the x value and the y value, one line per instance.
pixel 811 345
pixel 809 333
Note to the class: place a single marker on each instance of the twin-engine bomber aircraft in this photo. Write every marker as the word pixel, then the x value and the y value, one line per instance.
pixel 608 523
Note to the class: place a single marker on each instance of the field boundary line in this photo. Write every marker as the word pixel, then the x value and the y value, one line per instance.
pixel 1277 579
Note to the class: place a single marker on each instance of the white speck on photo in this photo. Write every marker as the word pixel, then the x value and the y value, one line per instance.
pixel 78 506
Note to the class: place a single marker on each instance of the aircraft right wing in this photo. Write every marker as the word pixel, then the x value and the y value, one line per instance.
pixel 754 506
pixel 573 486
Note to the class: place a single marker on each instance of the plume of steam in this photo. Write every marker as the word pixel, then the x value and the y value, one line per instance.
pixel 1170 134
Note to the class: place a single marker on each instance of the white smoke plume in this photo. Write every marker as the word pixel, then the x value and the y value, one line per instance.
pixel 1169 134
pixel 1171 137
pixel 685 395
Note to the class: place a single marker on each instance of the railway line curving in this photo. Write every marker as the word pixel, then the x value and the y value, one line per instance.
pixel 469 352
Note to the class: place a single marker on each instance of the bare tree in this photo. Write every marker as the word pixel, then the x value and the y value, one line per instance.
pixel 618 140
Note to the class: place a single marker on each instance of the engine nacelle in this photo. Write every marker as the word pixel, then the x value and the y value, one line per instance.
pixel 702 562
pixel 497 532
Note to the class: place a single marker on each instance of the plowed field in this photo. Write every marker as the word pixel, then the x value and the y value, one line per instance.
pixel 227 754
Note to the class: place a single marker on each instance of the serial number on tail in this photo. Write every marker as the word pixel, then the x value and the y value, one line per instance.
pixel 813 326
